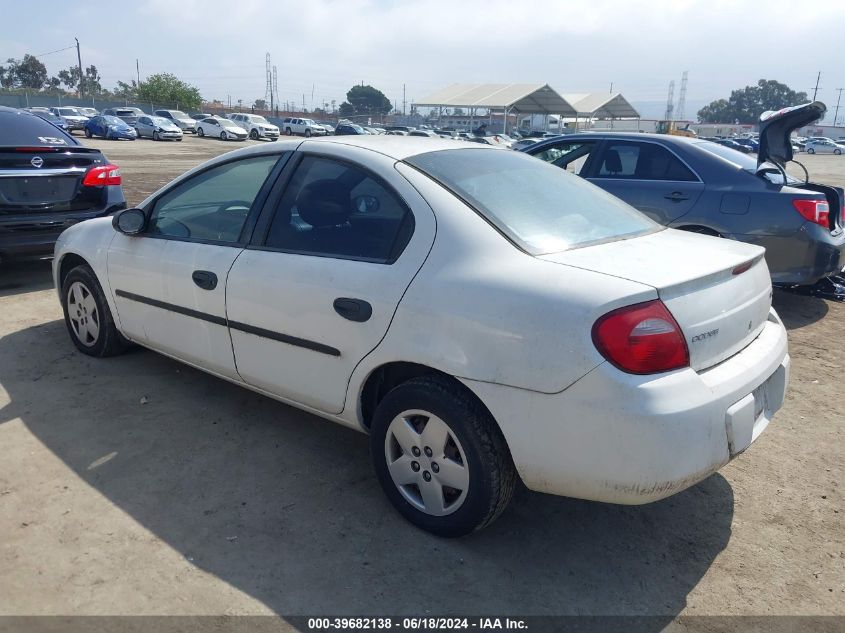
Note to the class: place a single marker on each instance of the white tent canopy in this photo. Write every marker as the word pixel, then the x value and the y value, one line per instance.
pixel 521 98
pixel 602 105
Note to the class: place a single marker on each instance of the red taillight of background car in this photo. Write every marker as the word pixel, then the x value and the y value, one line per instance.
pixel 815 211
pixel 643 338
pixel 102 176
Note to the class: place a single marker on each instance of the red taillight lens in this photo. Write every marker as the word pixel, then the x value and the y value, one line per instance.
pixel 813 210
pixel 641 339
pixel 102 175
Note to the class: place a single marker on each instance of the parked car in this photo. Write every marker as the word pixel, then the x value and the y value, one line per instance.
pixel 750 143
pixel 71 116
pixel 256 125
pixel 328 126
pixel 199 116
pixel 366 295
pixel 731 143
pixel 703 187
pixel 89 112
pixel 425 133
pixel 824 147
pixel 347 129
pixel 525 142
pixel 302 127
pixel 50 181
pixel 50 118
pixel 128 114
pixel 185 123
pixel 109 127
pixel 224 129
pixel 158 128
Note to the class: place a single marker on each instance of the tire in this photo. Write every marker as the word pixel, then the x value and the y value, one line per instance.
pixel 480 462
pixel 253 134
pixel 810 150
pixel 88 317
pixel 200 132
pixel 156 137
pixel 288 131
pixel 307 133
pixel 837 152
pixel 223 135
pixel 88 133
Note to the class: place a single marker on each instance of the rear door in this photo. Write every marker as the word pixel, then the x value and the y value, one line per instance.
pixel 335 249
pixel 170 281
pixel 648 176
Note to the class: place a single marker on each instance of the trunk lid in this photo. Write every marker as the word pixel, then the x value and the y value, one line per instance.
pixel 776 128
pixel 718 290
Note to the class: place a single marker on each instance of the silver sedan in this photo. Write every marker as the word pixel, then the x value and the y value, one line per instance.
pixel 158 128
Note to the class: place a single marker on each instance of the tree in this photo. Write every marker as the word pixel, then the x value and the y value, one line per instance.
pixel 346 109
pixel 260 104
pixel 127 91
pixel 70 78
pixel 28 73
pixel 165 88
pixel 367 100
pixel 747 104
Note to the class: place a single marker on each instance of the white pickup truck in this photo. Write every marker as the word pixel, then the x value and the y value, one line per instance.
pixel 303 127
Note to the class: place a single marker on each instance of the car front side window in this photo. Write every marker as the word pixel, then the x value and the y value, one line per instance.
pixel 641 161
pixel 212 205
pixel 571 156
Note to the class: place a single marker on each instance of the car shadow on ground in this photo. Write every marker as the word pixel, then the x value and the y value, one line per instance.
pixel 23 277
pixel 284 506
pixel 797 310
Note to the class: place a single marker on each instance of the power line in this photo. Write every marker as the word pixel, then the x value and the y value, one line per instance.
pixel 56 51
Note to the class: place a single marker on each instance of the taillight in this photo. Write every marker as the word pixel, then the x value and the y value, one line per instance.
pixel 102 176
pixel 643 338
pixel 813 210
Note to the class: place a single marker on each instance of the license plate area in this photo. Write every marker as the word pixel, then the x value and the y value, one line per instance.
pixel 37 190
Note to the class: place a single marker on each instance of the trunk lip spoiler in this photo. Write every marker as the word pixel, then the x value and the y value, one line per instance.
pixel 776 127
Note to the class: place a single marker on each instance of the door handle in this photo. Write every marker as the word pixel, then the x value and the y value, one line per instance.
pixel 205 279
pixel 356 310
pixel 676 196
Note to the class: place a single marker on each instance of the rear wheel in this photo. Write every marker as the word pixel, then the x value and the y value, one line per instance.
pixel 837 152
pixel 440 458
pixel 810 150
pixel 87 315
pixel 156 137
pixel 88 133
pixel 200 132
pixel 253 134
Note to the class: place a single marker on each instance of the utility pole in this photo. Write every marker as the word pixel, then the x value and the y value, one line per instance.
pixel 815 92
pixel 403 100
pixel 838 99
pixel 611 87
pixel 79 59
pixel 138 71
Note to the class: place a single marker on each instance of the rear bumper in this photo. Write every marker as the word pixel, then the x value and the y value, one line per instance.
pixel 621 438
pixel 803 258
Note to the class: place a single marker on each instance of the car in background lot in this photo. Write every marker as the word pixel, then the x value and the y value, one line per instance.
pixel 425 133
pixel 369 266
pixel 50 117
pixel 525 142
pixel 48 182
pixel 221 128
pixel 89 112
pixel 199 116
pixel 256 126
pixel 128 114
pixel 158 128
pixel 302 127
pixel 109 127
pixel 71 116
pixel 732 144
pixel 349 129
pixel 186 123
pixel 704 187
pixel 750 143
pixel 823 147
pixel 328 126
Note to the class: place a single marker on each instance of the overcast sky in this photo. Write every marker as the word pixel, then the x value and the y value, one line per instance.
pixel 322 47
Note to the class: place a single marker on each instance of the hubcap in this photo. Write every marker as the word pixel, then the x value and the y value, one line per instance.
pixel 426 462
pixel 83 314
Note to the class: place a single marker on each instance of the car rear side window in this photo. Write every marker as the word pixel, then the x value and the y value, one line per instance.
pixel 22 129
pixel 571 156
pixel 641 161
pixel 537 206
pixel 212 205
pixel 335 209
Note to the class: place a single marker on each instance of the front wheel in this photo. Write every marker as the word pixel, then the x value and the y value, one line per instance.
pixel 87 315
pixel 440 458
pixel 88 133
pixel 200 132
pixel 810 150
pixel 253 134
pixel 307 133
pixel 156 137
pixel 288 131
pixel 223 135
pixel 837 152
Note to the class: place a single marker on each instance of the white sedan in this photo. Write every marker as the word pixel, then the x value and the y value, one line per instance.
pixel 824 146
pixel 481 314
pixel 221 128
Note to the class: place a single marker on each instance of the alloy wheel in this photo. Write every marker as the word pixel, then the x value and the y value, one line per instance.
pixel 83 314
pixel 426 462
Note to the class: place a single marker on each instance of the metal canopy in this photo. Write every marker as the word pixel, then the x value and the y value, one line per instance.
pixel 602 105
pixel 520 98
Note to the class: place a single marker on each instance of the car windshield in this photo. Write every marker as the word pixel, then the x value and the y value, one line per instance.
pixel 113 120
pixel 178 114
pixel 160 120
pixel 125 112
pixel 68 112
pixel 257 118
pixel 541 208
pixel 228 123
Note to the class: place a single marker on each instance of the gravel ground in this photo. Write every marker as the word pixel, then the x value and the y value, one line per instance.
pixel 137 485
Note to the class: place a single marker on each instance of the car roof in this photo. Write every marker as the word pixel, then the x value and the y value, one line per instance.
pixel 397 147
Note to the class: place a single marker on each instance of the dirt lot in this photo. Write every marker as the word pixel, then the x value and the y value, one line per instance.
pixel 209 499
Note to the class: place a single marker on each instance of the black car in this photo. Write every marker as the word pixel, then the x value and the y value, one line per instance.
pixel 739 147
pixel 48 181
pixel 705 187
pixel 348 129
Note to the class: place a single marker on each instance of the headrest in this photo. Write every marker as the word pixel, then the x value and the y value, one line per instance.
pixel 324 203
pixel 612 162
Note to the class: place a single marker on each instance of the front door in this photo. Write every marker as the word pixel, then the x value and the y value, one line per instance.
pixel 169 282
pixel 317 290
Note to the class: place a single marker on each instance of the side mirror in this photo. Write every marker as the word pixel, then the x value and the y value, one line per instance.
pixel 129 221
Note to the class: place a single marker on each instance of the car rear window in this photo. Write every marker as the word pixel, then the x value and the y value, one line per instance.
pixel 539 207
pixel 22 129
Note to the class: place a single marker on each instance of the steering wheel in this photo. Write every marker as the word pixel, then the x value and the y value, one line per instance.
pixel 231 205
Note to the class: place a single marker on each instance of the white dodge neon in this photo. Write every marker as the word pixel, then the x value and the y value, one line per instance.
pixel 481 314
